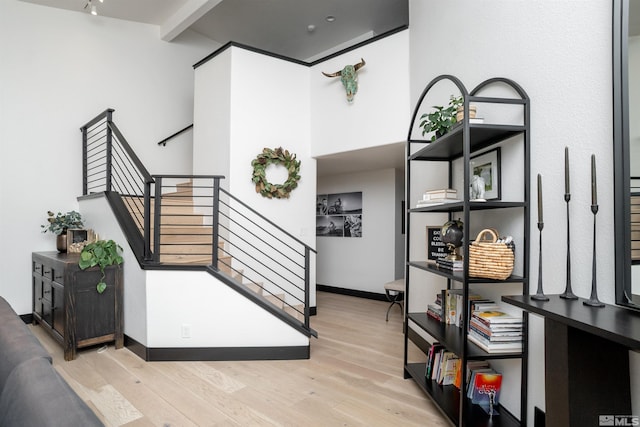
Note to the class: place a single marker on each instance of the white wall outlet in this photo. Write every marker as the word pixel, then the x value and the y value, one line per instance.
pixel 186 330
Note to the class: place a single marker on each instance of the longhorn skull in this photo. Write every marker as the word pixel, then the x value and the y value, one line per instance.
pixel 349 78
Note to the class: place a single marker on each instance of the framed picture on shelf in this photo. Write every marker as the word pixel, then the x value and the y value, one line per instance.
pixel 486 167
pixel 436 248
pixel 78 238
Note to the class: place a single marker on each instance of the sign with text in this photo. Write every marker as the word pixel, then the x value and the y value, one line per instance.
pixel 436 248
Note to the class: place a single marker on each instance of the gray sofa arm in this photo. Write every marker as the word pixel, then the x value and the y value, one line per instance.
pixel 35 395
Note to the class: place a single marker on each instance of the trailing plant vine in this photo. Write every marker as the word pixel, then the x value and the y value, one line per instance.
pixel 101 253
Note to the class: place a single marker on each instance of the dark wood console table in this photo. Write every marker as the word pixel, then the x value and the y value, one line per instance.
pixel 586 358
pixel 68 306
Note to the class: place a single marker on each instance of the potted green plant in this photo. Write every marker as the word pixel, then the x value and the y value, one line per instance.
pixel 442 119
pixel 59 223
pixel 101 253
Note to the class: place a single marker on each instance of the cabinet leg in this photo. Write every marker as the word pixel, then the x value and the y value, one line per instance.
pixel 69 353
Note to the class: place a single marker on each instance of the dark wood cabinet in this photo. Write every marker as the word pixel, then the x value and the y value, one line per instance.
pixel 67 304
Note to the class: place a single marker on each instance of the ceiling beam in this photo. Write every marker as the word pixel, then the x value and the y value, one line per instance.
pixel 185 17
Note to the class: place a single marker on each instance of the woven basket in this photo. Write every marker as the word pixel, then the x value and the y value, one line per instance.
pixel 488 259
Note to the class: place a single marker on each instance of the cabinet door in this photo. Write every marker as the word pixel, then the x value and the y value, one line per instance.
pixel 37 293
pixel 95 313
pixel 47 315
pixel 57 307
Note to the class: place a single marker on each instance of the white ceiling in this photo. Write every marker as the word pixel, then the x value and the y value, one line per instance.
pixel 277 26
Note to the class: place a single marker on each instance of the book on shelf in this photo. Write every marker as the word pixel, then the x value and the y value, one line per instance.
pixel 450 265
pixel 449 370
pixel 491 317
pixel 485 391
pixel 498 329
pixel 453 305
pixel 494 347
pixel 472 121
pixel 471 377
pixel 435 311
pixel 431 355
pixel 443 193
pixel 436 364
pixel 434 202
pixel 445 366
pixel 482 304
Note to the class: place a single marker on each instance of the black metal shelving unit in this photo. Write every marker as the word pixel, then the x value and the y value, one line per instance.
pixel 461 142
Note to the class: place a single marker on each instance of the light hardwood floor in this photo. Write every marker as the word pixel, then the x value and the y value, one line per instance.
pixel 354 378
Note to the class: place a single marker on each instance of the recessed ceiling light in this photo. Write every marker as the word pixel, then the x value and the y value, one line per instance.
pixel 330 18
pixel 311 28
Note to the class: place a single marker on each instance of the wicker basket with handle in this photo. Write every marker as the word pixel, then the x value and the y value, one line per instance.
pixel 489 259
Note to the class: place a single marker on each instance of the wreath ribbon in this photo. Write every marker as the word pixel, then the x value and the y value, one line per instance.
pixel 280 157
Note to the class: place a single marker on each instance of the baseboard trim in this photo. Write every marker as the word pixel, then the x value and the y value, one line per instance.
pixel 190 354
pixel 27 318
pixel 351 292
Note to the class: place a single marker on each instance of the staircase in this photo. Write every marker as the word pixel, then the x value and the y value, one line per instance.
pixel 173 222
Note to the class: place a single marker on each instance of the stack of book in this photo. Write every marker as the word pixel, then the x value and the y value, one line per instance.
pixel 495 331
pixel 449 265
pixel 438 197
pixel 442 365
pixel 435 310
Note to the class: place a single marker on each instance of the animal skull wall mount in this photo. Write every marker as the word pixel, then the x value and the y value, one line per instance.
pixel 349 78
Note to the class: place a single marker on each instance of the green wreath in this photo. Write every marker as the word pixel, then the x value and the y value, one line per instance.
pixel 276 157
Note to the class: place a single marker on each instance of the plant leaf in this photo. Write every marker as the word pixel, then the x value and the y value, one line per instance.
pixel 100 287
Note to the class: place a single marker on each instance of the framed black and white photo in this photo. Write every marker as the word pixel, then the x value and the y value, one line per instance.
pixel 485 176
pixel 339 215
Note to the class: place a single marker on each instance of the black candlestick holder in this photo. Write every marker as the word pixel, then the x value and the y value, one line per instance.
pixel 593 301
pixel 568 293
pixel 540 296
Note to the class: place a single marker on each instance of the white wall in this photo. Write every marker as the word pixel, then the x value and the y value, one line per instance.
pixel 60 69
pixel 377 116
pixel 561 55
pixel 368 262
pixel 211 117
pixel 203 304
pixel 265 102
pixel 379 112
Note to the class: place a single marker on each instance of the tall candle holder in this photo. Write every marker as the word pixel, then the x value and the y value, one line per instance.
pixel 593 300
pixel 540 296
pixel 568 293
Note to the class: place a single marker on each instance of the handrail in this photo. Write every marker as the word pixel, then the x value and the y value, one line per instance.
pixel 97 118
pixel 136 161
pixel 164 141
pixel 269 221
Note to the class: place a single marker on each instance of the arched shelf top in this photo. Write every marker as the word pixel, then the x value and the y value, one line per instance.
pixel 465 137
pixel 495 80
pixel 456 81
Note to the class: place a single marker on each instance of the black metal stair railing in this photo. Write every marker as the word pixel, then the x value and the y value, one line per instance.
pixel 189 221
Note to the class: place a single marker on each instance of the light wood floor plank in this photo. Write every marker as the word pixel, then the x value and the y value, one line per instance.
pixel 354 378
